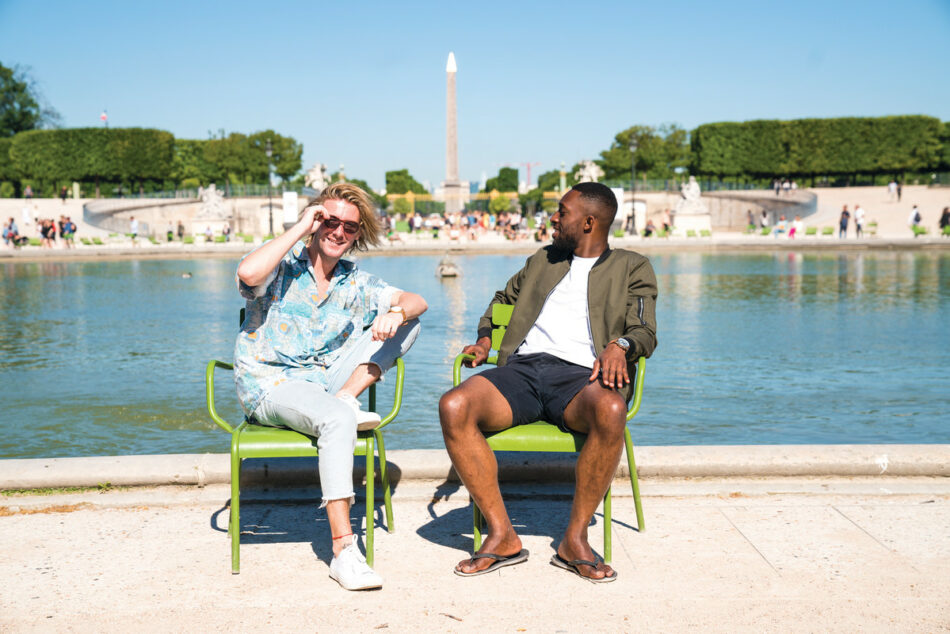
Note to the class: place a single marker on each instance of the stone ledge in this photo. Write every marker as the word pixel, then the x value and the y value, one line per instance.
pixel 670 462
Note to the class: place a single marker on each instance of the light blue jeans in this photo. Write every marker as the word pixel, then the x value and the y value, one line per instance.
pixel 310 409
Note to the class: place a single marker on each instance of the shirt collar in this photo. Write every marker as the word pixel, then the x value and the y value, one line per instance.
pixel 343 267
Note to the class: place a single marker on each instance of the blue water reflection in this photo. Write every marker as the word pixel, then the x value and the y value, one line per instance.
pixel 107 357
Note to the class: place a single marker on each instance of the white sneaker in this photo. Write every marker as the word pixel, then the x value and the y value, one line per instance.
pixel 364 420
pixel 349 569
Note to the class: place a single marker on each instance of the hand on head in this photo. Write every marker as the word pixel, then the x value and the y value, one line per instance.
pixel 313 217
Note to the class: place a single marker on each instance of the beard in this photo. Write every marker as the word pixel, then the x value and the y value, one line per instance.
pixel 565 243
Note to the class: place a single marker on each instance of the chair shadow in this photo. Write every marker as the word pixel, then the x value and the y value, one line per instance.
pixel 453 529
pixel 273 513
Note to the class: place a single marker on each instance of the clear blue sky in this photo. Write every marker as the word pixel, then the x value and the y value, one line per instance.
pixel 363 83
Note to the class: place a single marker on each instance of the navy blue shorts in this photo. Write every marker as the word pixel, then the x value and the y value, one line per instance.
pixel 538 386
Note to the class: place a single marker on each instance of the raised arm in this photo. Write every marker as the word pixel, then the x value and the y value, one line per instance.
pixel 258 265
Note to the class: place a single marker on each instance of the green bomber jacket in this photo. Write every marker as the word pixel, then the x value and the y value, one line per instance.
pixel 621 302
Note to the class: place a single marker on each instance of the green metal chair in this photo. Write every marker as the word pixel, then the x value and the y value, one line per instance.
pixel 249 440
pixel 543 436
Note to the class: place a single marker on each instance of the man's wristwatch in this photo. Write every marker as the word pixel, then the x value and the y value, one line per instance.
pixel 623 343
pixel 399 310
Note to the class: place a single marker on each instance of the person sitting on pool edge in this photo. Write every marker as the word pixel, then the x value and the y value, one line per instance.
pixel 318 331
pixel 563 359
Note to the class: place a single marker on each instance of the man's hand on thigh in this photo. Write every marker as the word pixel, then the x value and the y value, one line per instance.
pixel 594 405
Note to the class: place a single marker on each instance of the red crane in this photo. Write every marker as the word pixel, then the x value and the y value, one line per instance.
pixel 528 167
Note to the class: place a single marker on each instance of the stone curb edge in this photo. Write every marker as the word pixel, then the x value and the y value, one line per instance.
pixel 656 461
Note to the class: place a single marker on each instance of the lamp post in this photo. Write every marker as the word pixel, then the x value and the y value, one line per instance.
pixel 269 151
pixel 633 185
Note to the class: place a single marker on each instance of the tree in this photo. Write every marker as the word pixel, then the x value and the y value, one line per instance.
pixel 659 152
pixel 402 207
pixel 401 182
pixel 7 171
pixel 499 204
pixel 189 163
pixel 944 146
pixel 286 155
pixel 550 181
pixel 229 153
pixel 22 106
pixel 506 181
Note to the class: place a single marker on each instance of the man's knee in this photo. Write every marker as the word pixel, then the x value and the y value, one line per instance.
pixel 453 407
pixel 610 414
pixel 408 333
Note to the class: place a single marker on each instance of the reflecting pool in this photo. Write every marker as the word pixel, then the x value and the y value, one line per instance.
pixel 108 357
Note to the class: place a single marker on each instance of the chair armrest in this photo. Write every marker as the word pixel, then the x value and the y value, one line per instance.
pixel 457 368
pixel 209 393
pixel 397 396
pixel 638 389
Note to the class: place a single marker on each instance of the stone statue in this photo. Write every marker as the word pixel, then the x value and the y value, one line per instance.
pixel 317 177
pixel 691 203
pixel 589 172
pixel 212 203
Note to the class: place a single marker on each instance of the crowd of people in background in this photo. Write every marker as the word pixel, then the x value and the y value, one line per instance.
pixel 49 231
pixel 472 224
pixel 784 186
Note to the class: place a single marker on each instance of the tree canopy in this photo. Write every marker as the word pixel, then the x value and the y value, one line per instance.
pixel 659 152
pixel 21 105
pixel 401 182
pixel 506 181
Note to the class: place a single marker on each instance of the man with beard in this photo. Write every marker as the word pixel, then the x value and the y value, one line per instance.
pixel 583 314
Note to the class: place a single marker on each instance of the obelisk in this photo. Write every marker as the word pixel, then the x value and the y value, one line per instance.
pixel 452 188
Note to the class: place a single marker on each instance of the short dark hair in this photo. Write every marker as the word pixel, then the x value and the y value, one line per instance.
pixel 602 197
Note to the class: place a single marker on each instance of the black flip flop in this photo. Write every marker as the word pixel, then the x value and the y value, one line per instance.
pixel 572 566
pixel 500 562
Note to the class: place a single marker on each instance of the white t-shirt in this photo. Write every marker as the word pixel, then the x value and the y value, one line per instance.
pixel 859 216
pixel 563 327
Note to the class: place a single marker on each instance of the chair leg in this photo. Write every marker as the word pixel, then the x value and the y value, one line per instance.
pixel 608 528
pixel 384 476
pixel 477 527
pixel 370 498
pixel 634 481
pixel 234 519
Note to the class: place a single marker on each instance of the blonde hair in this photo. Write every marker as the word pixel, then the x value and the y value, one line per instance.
pixel 369 223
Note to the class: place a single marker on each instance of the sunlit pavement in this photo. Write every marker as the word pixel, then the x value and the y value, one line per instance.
pixel 721 554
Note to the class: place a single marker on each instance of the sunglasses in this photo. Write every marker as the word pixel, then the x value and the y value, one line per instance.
pixel 349 227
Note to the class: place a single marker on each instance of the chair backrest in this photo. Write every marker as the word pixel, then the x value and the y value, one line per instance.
pixel 500 317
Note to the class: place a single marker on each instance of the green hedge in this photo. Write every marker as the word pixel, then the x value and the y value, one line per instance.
pixel 810 147
pixel 93 154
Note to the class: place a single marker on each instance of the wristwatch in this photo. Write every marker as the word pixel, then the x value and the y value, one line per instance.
pixel 399 310
pixel 623 343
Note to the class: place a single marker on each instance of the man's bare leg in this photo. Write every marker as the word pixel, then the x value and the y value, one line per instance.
pixel 601 414
pixel 464 411
pixel 363 376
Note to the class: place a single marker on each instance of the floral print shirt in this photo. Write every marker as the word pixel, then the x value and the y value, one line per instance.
pixel 291 331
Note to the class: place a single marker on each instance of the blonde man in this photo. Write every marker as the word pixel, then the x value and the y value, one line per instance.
pixel 317 333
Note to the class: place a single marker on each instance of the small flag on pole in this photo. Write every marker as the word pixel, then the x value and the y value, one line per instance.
pixel 104 117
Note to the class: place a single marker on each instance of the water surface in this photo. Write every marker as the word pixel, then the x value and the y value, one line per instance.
pixel 101 358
